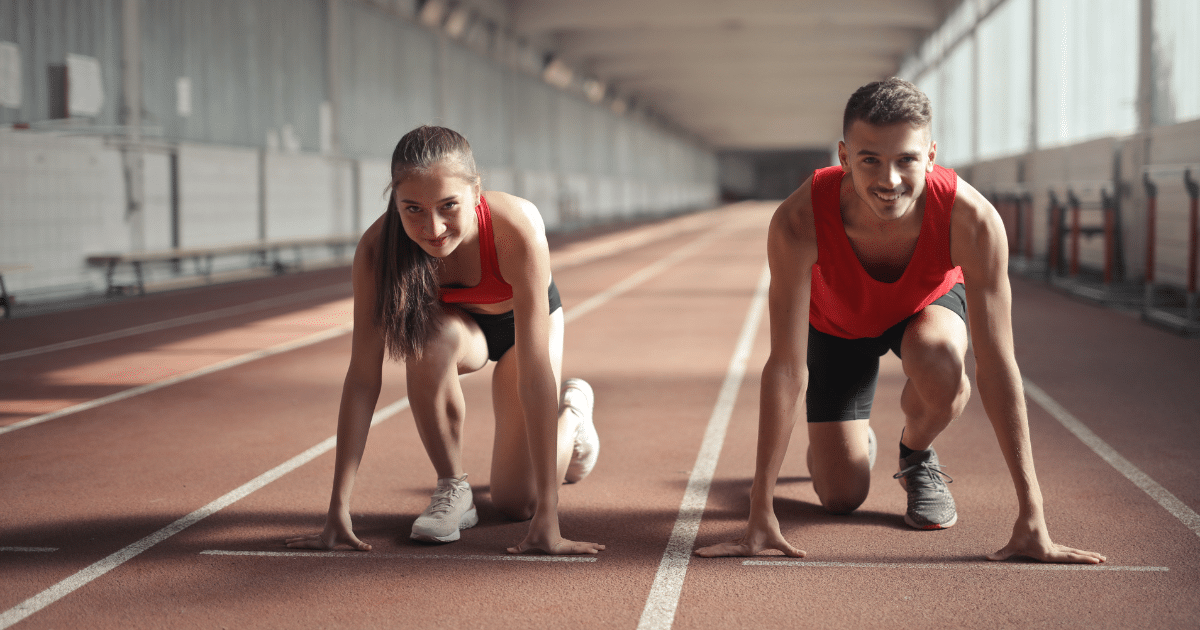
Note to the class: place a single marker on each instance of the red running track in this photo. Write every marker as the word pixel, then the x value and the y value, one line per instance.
pixel 155 452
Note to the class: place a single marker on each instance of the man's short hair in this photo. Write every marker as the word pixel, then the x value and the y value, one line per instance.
pixel 888 102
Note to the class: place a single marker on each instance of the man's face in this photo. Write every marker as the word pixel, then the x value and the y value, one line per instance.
pixel 888 165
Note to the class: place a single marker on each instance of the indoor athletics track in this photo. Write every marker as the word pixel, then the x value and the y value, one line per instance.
pixel 156 452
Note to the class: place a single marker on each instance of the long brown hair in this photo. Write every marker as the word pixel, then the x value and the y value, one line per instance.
pixel 406 303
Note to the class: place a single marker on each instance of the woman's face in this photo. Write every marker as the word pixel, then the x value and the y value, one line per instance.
pixel 437 208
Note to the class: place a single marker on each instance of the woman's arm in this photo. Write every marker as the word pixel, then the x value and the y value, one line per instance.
pixel 360 393
pixel 525 264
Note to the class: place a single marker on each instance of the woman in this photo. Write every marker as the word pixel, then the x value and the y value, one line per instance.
pixel 448 278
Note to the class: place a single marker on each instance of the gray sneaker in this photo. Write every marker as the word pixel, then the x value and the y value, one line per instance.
pixel 451 509
pixel 930 505
pixel 577 395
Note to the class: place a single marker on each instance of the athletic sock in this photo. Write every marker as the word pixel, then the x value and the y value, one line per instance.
pixel 905 451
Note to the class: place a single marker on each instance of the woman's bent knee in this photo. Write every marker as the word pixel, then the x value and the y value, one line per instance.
pixel 515 508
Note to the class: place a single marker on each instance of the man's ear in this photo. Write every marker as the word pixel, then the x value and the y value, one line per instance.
pixel 843 155
pixel 932 155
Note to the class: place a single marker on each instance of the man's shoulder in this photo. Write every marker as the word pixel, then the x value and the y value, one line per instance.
pixel 793 222
pixel 969 204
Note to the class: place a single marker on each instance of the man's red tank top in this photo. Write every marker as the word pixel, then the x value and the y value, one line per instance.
pixel 846 301
pixel 491 289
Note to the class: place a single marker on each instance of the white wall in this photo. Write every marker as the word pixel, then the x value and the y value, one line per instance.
pixel 59 199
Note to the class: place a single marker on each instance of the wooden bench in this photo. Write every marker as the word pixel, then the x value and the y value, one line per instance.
pixel 262 253
pixel 4 297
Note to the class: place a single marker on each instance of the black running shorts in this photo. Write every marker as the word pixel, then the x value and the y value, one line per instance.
pixel 842 372
pixel 500 330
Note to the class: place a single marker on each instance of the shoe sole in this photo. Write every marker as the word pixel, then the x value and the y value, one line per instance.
pixel 469 519
pixel 932 526
pixel 578 470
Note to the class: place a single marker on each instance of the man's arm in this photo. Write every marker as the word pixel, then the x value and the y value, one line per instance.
pixel 979 245
pixel 791 253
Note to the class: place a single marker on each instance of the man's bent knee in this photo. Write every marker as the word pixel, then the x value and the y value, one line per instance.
pixel 845 498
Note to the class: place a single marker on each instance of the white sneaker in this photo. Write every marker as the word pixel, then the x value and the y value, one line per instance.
pixel 872 447
pixel 451 509
pixel 577 395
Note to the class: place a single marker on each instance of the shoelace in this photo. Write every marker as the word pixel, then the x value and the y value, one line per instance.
pixel 443 500
pixel 930 470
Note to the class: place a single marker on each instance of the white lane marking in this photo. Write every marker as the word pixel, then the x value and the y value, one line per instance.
pixel 86 575
pixel 318 555
pixel 179 378
pixel 632 281
pixel 659 612
pixel 1000 566
pixel 230 311
pixel 1168 501
pixel 30 549
pixel 637 238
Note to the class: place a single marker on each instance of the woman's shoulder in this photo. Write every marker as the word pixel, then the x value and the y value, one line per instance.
pixel 513 216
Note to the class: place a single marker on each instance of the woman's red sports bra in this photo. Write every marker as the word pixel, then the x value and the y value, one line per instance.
pixel 492 288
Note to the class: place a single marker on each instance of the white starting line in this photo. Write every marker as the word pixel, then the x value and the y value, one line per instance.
pixel 30 549
pixel 946 566
pixel 372 555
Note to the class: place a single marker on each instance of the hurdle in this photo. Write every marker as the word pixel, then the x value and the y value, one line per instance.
pixel 1067 231
pixel 1153 177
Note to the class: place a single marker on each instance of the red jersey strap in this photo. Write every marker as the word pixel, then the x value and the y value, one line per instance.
pixel 492 288
pixel 846 301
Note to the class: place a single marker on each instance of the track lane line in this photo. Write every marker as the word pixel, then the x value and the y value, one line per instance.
pixel 317 555
pixel 197 318
pixel 1003 566
pixel 98 569
pixel 659 612
pixel 1161 495
pixel 30 549
pixel 179 378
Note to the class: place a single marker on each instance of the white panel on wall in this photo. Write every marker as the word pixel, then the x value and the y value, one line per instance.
pixel 218 195
pixel 301 195
pixel 85 96
pixel 63 199
pixel 156 206
pixel 10 75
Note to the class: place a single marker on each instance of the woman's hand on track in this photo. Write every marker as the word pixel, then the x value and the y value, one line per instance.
pixel 547 539
pixel 338 532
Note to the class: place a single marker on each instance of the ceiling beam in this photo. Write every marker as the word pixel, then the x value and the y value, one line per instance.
pixel 554 15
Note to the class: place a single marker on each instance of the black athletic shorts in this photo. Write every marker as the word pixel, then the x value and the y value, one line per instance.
pixel 842 372
pixel 500 330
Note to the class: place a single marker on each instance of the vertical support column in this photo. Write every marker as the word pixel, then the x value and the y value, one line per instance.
pixel 333 73
pixel 131 110
pixel 1033 79
pixel 1151 227
pixel 1073 202
pixel 1027 216
pixel 1055 250
pixel 1145 87
pixel 1108 206
pixel 1193 189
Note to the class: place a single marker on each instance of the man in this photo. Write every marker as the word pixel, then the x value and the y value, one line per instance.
pixel 886 252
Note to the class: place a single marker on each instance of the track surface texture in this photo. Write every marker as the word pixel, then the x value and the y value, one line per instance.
pixel 156 452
